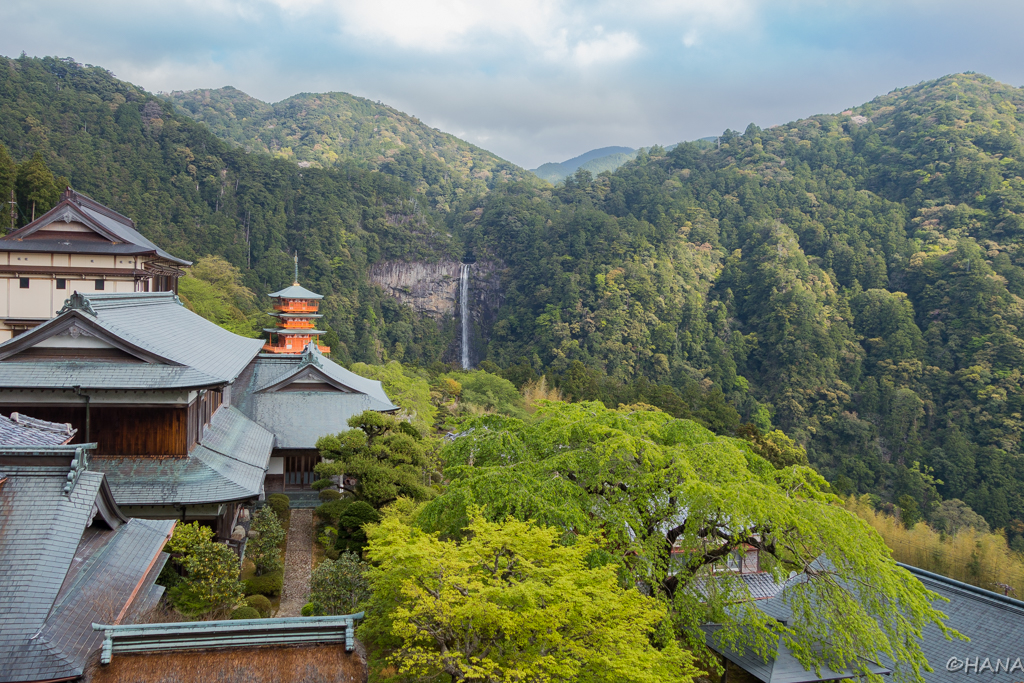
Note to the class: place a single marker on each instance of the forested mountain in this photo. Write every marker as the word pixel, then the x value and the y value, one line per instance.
pixel 595 161
pixel 327 129
pixel 856 280
pixel 197 195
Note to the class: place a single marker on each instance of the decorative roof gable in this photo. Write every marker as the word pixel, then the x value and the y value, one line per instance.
pixel 103 222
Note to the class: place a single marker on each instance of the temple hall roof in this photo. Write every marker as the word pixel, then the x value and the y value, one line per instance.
pixel 229 464
pixel 67 559
pixel 303 397
pixel 164 344
pixel 113 229
pixel 22 430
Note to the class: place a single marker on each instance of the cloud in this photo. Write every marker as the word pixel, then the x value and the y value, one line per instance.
pixel 613 47
pixel 538 80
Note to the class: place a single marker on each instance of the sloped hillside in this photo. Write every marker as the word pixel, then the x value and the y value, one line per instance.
pixel 325 129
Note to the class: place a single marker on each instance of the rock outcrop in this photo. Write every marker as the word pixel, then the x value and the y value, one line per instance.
pixel 432 289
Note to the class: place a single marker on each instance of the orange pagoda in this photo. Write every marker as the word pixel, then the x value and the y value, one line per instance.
pixel 296 308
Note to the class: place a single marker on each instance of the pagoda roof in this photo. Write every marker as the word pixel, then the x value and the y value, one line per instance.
pixel 116 233
pixel 296 291
pixel 68 559
pixel 285 330
pixel 166 346
pixel 289 314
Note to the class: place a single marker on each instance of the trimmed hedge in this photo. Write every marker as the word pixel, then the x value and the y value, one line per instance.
pixel 261 604
pixel 281 504
pixel 245 613
pixel 329 495
pixel 308 611
pixel 268 584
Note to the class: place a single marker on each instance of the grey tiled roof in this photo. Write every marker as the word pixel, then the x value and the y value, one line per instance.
pixel 299 418
pixel 296 291
pixel 77 206
pixel 229 464
pixel 42 534
pixel 96 375
pixel 159 323
pixel 781 668
pixel 22 430
pixel 994 623
pixel 193 351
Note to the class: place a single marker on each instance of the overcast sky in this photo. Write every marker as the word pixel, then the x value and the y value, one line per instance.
pixel 539 80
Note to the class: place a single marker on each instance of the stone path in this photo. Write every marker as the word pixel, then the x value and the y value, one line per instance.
pixel 298 563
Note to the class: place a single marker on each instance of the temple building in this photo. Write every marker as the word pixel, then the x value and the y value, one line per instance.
pixel 69 556
pixel 296 309
pixel 191 421
pixel 77 246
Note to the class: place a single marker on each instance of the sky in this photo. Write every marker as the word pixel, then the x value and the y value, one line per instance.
pixel 539 80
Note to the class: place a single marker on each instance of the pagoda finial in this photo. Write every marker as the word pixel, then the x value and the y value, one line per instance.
pixel 296 267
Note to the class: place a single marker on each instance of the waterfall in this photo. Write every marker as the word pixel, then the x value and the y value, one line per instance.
pixel 464 313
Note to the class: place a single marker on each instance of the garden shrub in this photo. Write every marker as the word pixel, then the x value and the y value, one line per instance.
pixel 327 494
pixel 245 613
pixel 168 577
pixel 264 550
pixel 268 584
pixel 281 504
pixel 338 586
pixel 307 609
pixel 261 604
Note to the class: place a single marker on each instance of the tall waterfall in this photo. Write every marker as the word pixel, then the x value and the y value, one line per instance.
pixel 464 313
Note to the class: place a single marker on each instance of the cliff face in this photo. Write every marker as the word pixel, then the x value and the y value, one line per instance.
pixel 432 289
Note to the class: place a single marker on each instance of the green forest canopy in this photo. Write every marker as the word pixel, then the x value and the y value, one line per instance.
pixel 853 279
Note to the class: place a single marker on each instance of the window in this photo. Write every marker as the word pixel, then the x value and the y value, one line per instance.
pixel 99 285
pixel 23 282
pixel 62 283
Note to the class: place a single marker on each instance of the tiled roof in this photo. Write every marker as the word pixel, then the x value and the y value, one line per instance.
pixel 187 349
pixel 296 291
pixel 97 375
pixel 22 430
pixel 299 418
pixel 159 323
pixel 43 532
pixel 229 464
pixel 994 623
pixel 75 206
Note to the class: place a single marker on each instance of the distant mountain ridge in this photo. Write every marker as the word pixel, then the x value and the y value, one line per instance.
pixel 595 161
pixel 326 129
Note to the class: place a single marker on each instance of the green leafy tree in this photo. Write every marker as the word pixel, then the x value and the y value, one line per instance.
pixel 212 576
pixel 8 175
pixel 774 446
pixel 339 586
pixel 405 388
pixel 509 602
pixel 491 392
pixel 383 453
pixel 213 288
pixel 211 570
pixel 36 188
pixel 651 484
pixel 264 550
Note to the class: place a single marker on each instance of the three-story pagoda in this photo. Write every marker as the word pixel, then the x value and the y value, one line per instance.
pixel 296 309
